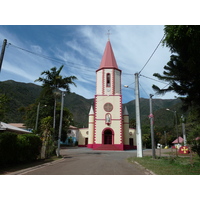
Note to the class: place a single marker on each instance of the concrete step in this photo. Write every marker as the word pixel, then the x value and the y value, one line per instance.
pixel 107 147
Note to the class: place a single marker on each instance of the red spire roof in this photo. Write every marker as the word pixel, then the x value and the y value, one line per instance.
pixel 108 59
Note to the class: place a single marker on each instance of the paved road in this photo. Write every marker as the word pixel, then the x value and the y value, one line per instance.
pixel 84 161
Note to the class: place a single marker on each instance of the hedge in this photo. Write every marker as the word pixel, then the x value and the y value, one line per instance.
pixel 29 147
pixel 8 148
pixel 19 148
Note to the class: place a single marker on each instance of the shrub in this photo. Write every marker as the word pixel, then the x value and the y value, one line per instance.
pixel 19 148
pixel 196 146
pixel 29 147
pixel 8 148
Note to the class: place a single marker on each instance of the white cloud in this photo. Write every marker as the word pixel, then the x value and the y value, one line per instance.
pixel 17 71
pixel 36 49
pixel 82 53
pixel 132 46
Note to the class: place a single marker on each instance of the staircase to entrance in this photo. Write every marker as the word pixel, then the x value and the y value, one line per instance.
pixel 108 147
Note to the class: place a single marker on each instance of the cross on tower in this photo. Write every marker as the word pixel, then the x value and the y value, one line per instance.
pixel 108 33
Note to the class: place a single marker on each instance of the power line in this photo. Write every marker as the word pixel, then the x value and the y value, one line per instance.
pixel 50 58
pixel 152 79
pixel 40 55
pixel 152 54
pixel 56 60
pixel 144 90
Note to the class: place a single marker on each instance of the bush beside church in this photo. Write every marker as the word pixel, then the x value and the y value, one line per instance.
pixel 16 148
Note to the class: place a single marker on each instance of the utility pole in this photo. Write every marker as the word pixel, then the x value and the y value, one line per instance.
pixel 165 138
pixel 152 131
pixel 138 123
pixel 37 116
pixel 2 52
pixel 60 127
pixel 175 115
pixel 183 129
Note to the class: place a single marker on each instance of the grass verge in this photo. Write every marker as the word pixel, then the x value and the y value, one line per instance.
pixel 170 165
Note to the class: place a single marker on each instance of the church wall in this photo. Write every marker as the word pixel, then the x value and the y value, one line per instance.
pixel 127 135
pixel 115 115
pixel 117 81
pixel 83 134
pixel 99 84
pixel 99 106
pixel 115 126
pixel 130 133
pixel 126 130
pixel 91 128
pixel 107 90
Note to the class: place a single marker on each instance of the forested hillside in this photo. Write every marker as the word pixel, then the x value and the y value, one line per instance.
pixel 19 95
pixel 23 94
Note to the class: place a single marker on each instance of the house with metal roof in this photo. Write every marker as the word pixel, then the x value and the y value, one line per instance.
pixel 11 128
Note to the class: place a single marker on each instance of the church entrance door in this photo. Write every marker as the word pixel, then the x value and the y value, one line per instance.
pixel 108 136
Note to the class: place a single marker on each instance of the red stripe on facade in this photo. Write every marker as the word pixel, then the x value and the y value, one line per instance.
pixel 121 124
pixel 103 82
pixel 95 115
pixel 113 82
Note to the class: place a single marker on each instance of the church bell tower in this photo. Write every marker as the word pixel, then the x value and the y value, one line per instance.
pixel 107 121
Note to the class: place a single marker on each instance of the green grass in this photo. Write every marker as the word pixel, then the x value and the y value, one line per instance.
pixel 170 165
pixel 12 168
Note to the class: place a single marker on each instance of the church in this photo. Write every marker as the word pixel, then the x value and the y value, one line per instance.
pixel 108 127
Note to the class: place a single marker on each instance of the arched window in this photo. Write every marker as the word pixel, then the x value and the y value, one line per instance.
pixel 107 80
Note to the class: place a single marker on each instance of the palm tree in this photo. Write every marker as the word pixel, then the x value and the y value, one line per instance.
pixel 53 81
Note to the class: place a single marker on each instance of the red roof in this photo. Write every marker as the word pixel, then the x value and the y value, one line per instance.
pixel 108 59
pixel 178 140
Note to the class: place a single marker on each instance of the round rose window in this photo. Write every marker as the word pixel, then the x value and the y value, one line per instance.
pixel 108 107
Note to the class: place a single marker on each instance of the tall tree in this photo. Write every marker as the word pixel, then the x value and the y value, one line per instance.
pixel 182 72
pixel 3 106
pixel 53 81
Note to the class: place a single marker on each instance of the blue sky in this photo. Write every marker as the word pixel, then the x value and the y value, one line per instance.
pixel 80 49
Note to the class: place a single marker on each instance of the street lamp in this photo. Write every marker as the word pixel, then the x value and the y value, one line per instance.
pixel 37 116
pixel 60 126
pixel 175 115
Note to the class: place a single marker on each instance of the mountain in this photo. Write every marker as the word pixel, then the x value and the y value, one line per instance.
pixel 23 94
pixel 20 95
pixel 162 117
pixel 80 107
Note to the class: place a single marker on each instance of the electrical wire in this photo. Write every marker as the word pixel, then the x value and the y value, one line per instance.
pixel 151 54
pixel 72 63
pixel 57 60
pixel 152 79
pixel 52 59
pixel 144 90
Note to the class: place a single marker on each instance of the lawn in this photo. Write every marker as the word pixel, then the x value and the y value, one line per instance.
pixel 170 165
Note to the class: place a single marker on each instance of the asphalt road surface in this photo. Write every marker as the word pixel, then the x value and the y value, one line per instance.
pixel 85 161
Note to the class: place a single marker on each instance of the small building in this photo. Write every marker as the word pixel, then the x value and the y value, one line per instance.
pixel 177 142
pixel 72 136
pixel 11 128
pixel 18 125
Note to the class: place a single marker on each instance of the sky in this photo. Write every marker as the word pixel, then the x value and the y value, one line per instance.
pixel 80 49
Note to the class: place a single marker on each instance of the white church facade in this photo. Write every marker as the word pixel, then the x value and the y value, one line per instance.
pixel 108 127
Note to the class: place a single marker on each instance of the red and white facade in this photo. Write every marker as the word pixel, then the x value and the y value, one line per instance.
pixel 108 127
